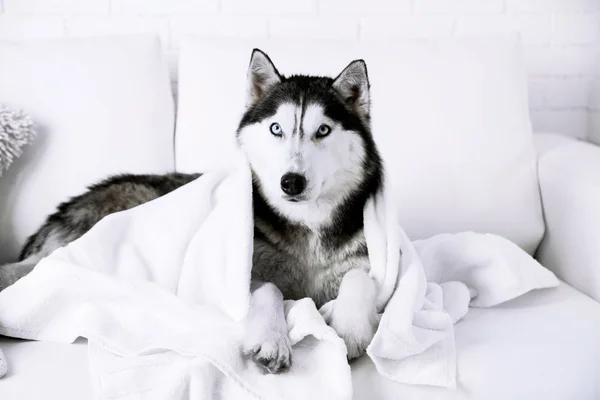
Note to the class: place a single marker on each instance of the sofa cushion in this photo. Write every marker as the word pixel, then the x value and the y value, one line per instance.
pixel 104 106
pixel 450 117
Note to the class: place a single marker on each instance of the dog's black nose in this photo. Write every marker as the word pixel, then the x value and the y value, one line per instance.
pixel 293 184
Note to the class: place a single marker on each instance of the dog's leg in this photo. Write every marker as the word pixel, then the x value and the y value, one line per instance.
pixel 10 273
pixel 266 340
pixel 354 316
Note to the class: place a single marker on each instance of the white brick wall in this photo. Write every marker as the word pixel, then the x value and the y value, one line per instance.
pixel 562 37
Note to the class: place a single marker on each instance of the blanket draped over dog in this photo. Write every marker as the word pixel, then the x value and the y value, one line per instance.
pixel 159 292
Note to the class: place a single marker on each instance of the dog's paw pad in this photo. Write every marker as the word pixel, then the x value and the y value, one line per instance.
pixel 355 347
pixel 274 355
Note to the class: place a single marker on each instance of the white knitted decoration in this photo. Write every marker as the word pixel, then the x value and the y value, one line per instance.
pixel 16 130
pixel 3 365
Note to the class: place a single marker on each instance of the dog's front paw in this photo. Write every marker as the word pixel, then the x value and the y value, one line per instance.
pixel 272 352
pixel 357 333
pixel 354 315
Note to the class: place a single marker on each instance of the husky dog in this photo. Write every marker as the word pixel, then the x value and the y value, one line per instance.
pixel 314 164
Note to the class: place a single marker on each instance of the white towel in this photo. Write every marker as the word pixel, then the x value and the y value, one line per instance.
pixel 159 291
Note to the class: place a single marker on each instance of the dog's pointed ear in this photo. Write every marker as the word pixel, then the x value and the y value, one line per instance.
pixel 262 76
pixel 352 84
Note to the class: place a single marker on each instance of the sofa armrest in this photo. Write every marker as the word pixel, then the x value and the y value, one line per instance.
pixel 569 175
pixel 547 141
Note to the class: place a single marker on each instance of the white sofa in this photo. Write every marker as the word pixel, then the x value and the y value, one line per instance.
pixel 451 120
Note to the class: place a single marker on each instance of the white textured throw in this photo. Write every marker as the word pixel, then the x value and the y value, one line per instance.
pixel 16 130
pixel 157 290
pixel 3 364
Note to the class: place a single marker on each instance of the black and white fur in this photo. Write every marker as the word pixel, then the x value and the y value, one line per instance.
pixel 314 165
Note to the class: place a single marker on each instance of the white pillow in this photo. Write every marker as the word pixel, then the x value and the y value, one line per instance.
pixel 450 117
pixel 103 106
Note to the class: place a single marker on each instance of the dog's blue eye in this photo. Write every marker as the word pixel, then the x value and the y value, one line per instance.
pixel 323 131
pixel 276 129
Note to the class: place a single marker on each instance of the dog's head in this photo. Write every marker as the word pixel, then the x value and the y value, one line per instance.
pixel 308 138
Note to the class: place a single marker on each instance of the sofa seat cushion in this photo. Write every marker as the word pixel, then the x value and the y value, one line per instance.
pixel 542 345
pixel 45 370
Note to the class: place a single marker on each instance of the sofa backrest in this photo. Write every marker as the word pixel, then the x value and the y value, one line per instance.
pixel 450 117
pixel 103 106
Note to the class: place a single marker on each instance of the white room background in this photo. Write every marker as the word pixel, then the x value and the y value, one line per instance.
pixel 562 37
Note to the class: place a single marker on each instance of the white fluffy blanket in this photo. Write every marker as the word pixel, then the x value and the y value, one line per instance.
pixel 159 291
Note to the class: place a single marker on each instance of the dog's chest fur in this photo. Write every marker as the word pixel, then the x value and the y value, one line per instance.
pixel 305 263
